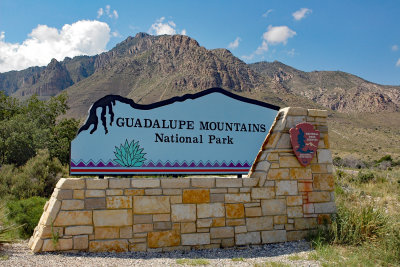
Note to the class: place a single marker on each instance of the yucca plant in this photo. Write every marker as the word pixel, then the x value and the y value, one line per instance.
pixel 129 154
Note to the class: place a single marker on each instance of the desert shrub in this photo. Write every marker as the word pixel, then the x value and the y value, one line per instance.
pixel 365 177
pixel 26 212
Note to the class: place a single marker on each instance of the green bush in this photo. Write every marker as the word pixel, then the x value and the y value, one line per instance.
pixel 26 212
pixel 365 177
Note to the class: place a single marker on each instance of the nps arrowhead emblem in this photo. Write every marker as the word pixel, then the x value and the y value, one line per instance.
pixel 304 139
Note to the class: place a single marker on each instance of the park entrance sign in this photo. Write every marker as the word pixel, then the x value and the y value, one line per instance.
pixel 210 132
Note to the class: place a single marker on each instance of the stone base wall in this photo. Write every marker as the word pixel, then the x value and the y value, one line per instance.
pixel 281 201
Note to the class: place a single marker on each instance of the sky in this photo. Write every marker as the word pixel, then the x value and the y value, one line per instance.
pixel 361 37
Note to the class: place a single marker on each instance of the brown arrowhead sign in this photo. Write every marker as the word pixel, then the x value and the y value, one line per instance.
pixel 304 140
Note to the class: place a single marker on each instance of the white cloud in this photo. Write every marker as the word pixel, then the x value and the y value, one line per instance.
pixel 398 63
pixel 115 14
pixel 267 13
pixel 301 13
pixel 100 12
pixel 395 47
pixel 160 27
pixel 107 11
pixel 278 34
pixel 83 37
pixel 262 48
pixel 291 52
pixel 235 43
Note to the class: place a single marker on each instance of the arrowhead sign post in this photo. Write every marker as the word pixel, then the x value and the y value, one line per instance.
pixel 304 139
pixel 210 132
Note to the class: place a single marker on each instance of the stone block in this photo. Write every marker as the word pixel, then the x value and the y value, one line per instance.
pixel 273 207
pixel 253 212
pixel 134 192
pixel 119 202
pixel 142 219
pixel 201 223
pixel 217 198
pixel 203 182
pixel 79 194
pixel 48 232
pixel 106 232
pixel 171 191
pixel 237 198
pixel 292 121
pixel 125 232
pixel 296 235
pixel 35 244
pixel 195 239
pixel 319 168
pixel 176 199
pixel 114 192
pixel 248 238
pixel 233 190
pixel 151 204
pixel 119 183
pixel 300 173
pixel 240 229
pixel 250 182
pixel 217 222
pixel 317 113
pixel 162 226
pixel 161 217
pixel 245 190
pixel 153 192
pixel 324 156
pixel 69 218
pixel 327 207
pixel 262 166
pixel 145 183
pixel 235 222
pixel 294 200
pixel 305 186
pixel 259 223
pixel 262 192
pixel 234 211
pixel 324 182
pixel 271 140
pixel 222 232
pixel 62 244
pixel 141 228
pixel 260 176
pixel 227 242
pixel 286 188
pixel 140 247
pixel 51 212
pixel 280 219
pixel 308 208
pixel 305 223
pixel 108 245
pixel 112 217
pixel 189 227
pixel 218 190
pixel 163 239
pixel 297 111
pixel 196 196
pixel 71 183
pixel 96 183
pixel 319 197
pixel 79 230
pixel 62 194
pixel 210 210
pixel 228 182
pixel 95 193
pixel 276 236
pixel 284 141
pixel 183 212
pixel 175 183
pixel 295 212
pixel 289 162
pixel 278 174
pixel 95 203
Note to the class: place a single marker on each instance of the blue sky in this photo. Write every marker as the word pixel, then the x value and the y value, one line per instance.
pixel 359 37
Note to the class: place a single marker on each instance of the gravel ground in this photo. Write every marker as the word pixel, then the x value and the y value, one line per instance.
pixel 18 254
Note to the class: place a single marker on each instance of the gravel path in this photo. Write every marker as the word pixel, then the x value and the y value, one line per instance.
pixel 18 254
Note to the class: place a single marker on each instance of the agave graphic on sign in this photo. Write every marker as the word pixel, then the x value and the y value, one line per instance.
pixel 129 154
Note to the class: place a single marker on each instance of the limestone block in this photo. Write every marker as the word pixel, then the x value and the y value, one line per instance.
pixel 210 210
pixel 217 198
pixel 248 238
pixel 134 192
pixel 163 239
pixel 142 219
pixel 324 182
pixel 297 111
pixel 300 173
pixel 235 222
pixel 253 212
pixel 125 232
pixel 115 192
pixel 317 113
pixel 234 211
pixel 240 229
pixel 305 223
pixel 261 176
pixel 305 186
pixel 106 232
pixel 195 239
pixel 188 227
pixel 218 190
pixel 96 183
pixel 228 182
pixel 278 174
pixel 69 218
pixel 201 223
pixel 62 194
pixel 233 190
pixel 151 204
pixel 203 182
pixel 161 217
pixel 217 222
pixel 79 230
pixel 327 207
pixel 276 236
pixel 292 121
pixel 294 200
pixel 196 196
pixel 286 188
pixel 227 242
pixel 295 212
pixel 175 183
pixel 52 210
pixel 296 235
pixel 262 193
pixel 284 141
pixel 95 203
pixel 273 207
pixel 171 192
pixel 319 197
pixel 48 231
pixel 141 228
pixel 95 193
pixel 112 217
pixel 259 223
pixel 119 183
pixel 263 166
pixel 153 191
pixel 308 208
pixel 36 244
pixel 272 140
pixel 81 242
pixel 78 194
pixel 145 183
pixel 244 190
pixel 71 183
pixel 289 161
pixel 250 182
pixel 62 244
pixel 324 156
pixel 108 245
pixel 237 198
pixel 319 168
pixel 222 232
pixel 138 247
pixel 119 202
pixel 183 212
pixel 280 219
pixel 176 199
